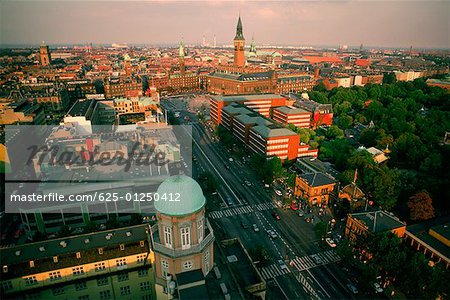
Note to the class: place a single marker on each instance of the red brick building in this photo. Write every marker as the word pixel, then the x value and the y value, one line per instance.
pixel 292 115
pixel 259 103
pixel 322 114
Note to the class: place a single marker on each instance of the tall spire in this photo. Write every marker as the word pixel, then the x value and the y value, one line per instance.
pixel 253 45
pixel 181 49
pixel 239 35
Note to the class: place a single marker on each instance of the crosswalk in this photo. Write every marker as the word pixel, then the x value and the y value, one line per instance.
pixel 273 271
pixel 240 210
pixel 308 262
pixel 307 286
pixel 300 263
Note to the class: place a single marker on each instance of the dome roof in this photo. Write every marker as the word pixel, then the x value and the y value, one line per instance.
pixel 190 199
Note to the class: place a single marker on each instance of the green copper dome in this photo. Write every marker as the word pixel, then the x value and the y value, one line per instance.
pixel 184 189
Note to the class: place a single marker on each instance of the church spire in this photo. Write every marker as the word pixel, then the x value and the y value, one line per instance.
pixel 239 34
pixel 181 49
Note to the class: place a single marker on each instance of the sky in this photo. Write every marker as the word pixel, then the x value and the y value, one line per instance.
pixel 385 23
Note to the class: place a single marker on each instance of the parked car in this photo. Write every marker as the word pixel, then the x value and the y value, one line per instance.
pixel 294 206
pixel 229 201
pixel 301 213
pixel 248 183
pixel 255 228
pixel 278 192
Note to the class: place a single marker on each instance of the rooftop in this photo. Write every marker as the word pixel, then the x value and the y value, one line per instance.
pixel 378 221
pixel 317 179
pixel 290 110
pixel 270 132
pixel 80 108
pixel 243 98
pixel 190 193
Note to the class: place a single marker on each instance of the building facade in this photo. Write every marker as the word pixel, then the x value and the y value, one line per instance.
pixel 314 188
pixel 182 240
pixel 44 54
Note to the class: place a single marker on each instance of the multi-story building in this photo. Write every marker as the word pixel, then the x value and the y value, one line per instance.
pixel 123 87
pixel 292 115
pixel 373 222
pixel 135 105
pixel 294 83
pixel 322 114
pixel 432 238
pixel 314 187
pixel 182 240
pixel 259 103
pixel 110 264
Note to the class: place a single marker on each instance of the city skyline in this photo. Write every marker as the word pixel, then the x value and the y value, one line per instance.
pixel 389 24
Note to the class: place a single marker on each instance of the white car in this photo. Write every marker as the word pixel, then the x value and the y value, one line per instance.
pixel 317 259
pixel 272 234
pixel 278 192
pixel 377 287
pixel 330 242
pixel 255 228
pixel 282 265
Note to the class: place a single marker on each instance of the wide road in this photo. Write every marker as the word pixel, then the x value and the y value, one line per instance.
pixel 306 276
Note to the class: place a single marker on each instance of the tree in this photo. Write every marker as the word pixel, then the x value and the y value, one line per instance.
pixel 420 206
pixel 334 132
pixel 345 121
pixel 389 78
pixel 304 135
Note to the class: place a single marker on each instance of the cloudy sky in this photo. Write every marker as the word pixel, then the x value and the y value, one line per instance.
pixel 373 23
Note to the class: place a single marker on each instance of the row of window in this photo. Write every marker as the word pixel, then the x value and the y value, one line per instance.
pixel 185 233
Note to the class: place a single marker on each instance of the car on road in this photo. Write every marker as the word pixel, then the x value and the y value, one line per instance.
pixel 278 192
pixel 244 225
pixel 248 183
pixel 229 201
pixel 255 228
pixel 377 287
pixel 317 259
pixel 352 288
pixel 294 206
pixel 301 213
pixel 272 234
pixel 330 242
pixel 230 159
pixel 275 216
pixel 282 265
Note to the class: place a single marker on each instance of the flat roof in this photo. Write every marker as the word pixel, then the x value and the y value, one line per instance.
pixel 268 132
pixel 378 221
pixel 289 110
pixel 242 98
pixel 253 118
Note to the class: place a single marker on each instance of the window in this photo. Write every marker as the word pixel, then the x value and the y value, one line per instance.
pixel 141 258
pixel 200 230
pixel 125 290
pixel 6 285
pixel 168 236
pixel 54 275
pixel 147 297
pixel 185 237
pixel 77 271
pixel 121 262
pixel 207 255
pixel 31 263
pixel 164 267
pixel 84 297
pixel 30 280
pixel 58 291
pixel 102 281
pixel 142 243
pixel 142 272
pixel 122 277
pixel 100 267
pixel 55 259
pixel 105 294
pixel 145 286
pixel 100 251
pixel 122 247
pixel 187 265
pixel 80 286
pixel 78 255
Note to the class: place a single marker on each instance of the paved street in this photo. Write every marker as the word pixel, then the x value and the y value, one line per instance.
pixel 295 243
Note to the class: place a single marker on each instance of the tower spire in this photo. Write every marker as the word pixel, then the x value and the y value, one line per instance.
pixel 239 34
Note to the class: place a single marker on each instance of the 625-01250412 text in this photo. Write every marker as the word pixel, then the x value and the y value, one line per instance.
pixel 97 196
